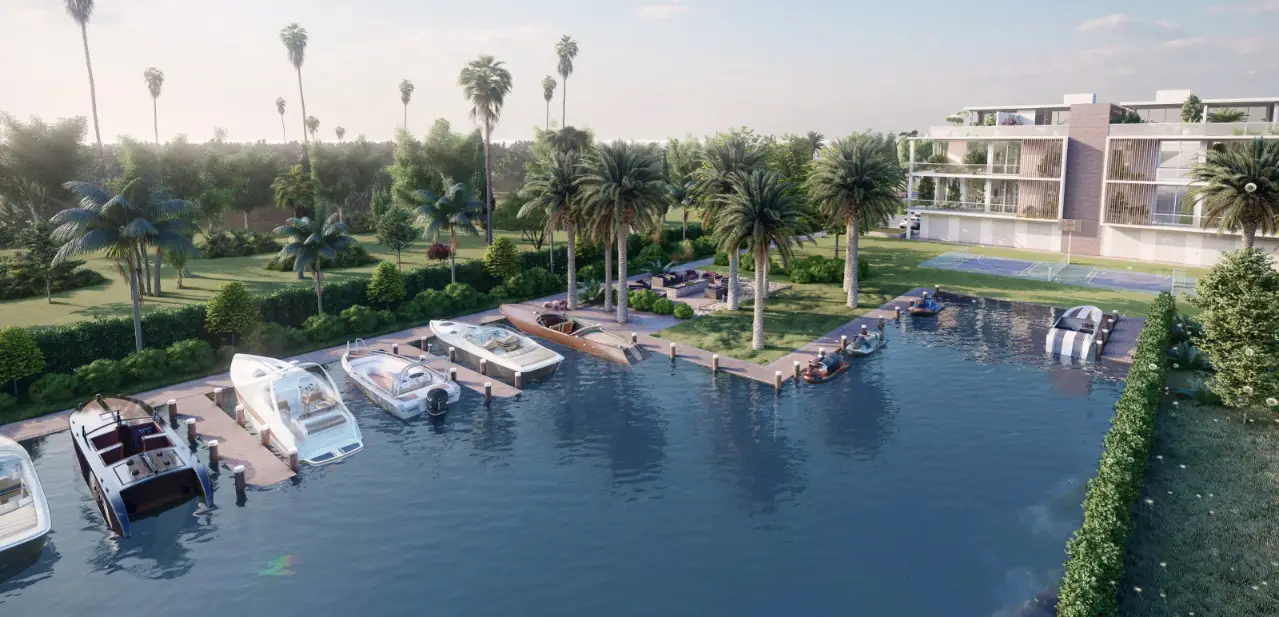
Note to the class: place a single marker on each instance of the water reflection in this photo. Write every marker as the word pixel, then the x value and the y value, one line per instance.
pixel 752 449
pixel 159 547
pixel 860 421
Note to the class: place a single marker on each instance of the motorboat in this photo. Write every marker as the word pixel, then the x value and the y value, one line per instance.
pixel 24 513
pixel 1074 333
pixel 300 405
pixel 865 343
pixel 504 352
pixel 134 463
pixel 823 369
pixel 404 387
pixel 580 334
pixel 925 307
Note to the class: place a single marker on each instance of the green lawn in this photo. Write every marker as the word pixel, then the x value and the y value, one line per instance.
pixel 1203 541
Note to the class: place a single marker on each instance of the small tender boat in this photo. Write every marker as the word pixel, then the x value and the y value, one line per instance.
pixel 134 463
pixel 24 513
pixel 404 387
pixel 1074 333
pixel 505 352
pixel 579 334
pixel 300 404
pixel 865 344
pixel 927 307
pixel 823 369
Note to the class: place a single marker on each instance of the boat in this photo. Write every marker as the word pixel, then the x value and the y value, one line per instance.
pixel 579 334
pixel 24 513
pixel 823 369
pixel 1074 333
pixel 134 463
pixel 301 406
pixel 404 387
pixel 927 307
pixel 865 343
pixel 504 352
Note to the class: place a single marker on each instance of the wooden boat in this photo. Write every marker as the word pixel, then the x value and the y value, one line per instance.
pixel 404 387
pixel 823 369
pixel 865 344
pixel 24 513
pixel 505 352
pixel 134 463
pixel 1074 333
pixel 300 404
pixel 579 334
pixel 927 307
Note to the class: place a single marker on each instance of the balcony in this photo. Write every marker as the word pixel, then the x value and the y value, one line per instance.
pixel 979 169
pixel 1203 129
pixel 1017 131
pixel 1044 211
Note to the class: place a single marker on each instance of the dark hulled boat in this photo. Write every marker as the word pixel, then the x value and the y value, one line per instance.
pixel 569 331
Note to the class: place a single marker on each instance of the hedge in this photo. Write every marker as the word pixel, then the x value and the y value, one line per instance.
pixel 1094 566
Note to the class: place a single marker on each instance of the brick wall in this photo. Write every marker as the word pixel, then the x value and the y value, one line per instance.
pixel 1085 162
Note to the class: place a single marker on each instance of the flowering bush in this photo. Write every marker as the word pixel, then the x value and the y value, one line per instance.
pixel 1238 297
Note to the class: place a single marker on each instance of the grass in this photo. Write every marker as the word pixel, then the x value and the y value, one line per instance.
pixel 1203 541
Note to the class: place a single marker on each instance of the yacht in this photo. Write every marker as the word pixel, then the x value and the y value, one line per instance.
pixel 301 406
pixel 1074 333
pixel 404 387
pixel 24 513
pixel 580 334
pixel 505 352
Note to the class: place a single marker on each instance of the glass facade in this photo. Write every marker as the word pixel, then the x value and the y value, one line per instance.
pixel 1177 158
pixel 1174 206
pixel 1161 114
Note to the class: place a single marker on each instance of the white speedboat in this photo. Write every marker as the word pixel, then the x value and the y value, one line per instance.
pixel 300 404
pixel 1074 333
pixel 24 513
pixel 504 351
pixel 404 387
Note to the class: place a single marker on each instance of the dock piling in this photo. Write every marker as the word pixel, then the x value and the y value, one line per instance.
pixel 1105 334
pixel 452 354
pixel 213 454
pixel 218 396
pixel 797 371
pixel 488 391
pixel 421 358
pixel 864 332
pixel 240 415
pixel 672 351
pixel 239 479
pixel 714 363
pixel 881 324
pixel 293 459
pixel 453 375
pixel 395 348
pixel 519 379
pixel 821 352
pixel 843 344
pixel 936 290
pixel 423 345
pixel 634 338
pixel 484 367
pixel 265 433
pixel 191 431
pixel 172 406
pixel 777 380
pixel 898 310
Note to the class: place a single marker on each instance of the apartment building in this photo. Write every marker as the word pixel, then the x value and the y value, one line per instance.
pixel 1107 179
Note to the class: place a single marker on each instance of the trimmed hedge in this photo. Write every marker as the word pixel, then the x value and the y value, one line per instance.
pixel 1094 568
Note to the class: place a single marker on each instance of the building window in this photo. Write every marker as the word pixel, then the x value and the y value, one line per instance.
pixel 1177 158
pixel 1061 117
pixel 1174 206
pixel 1003 196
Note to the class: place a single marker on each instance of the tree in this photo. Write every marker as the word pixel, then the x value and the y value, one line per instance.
pixel 1239 186
pixel 80 11
pixel 340 132
pixel 627 179
pixel 532 226
pixel 387 285
pixel 1227 115
pixel 453 210
pixel 279 108
pixel 485 82
pixel 548 93
pixel 395 231
pixel 856 179
pixel 552 192
pixel 178 259
pixel 20 355
pixel 312 125
pixel 293 190
pixel 311 241
pixel 36 158
pixel 815 142
pixel 231 310
pixel 680 195
pixel 406 95
pixel 37 240
pixel 154 79
pixel 1238 297
pixel 294 38
pixel 502 258
pixel 724 158
pixel 1192 110
pixel 566 49
pixel 760 212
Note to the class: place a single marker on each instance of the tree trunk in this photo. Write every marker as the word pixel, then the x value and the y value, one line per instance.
pixel 137 305
pixel 306 154
pixel 761 283
pixel 93 100
pixel 488 190
pixel 551 246
pixel 283 131
pixel 836 245
pixel 48 287
pixel 319 289
pixel 548 114
pixel 850 262
pixel 572 264
pixel 608 275
pixel 406 117
pixel 398 265
pixel 734 299
pixel 563 101
pixel 452 255
pixel 768 265
pixel 1249 235
pixel 158 261
pixel 849 266
pixel 155 120
pixel 146 264
pixel 623 230
pixel 246 220
pixel 683 229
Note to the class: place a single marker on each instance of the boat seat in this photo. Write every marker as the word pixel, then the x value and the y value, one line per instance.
pixel 317 423
pixel 157 441
pixel 112 454
pixel 382 381
pixel 10 487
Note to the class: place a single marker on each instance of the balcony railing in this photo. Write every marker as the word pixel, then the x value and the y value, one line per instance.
pixel 1043 212
pixel 978 169
pixel 1012 130
pixel 1201 129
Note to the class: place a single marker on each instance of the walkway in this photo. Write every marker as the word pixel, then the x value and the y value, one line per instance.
pixel 235 445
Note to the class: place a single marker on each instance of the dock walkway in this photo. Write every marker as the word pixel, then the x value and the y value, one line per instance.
pixel 235 445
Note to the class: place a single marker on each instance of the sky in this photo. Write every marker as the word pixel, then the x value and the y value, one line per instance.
pixel 647 69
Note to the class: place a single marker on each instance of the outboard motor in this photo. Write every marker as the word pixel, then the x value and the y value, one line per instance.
pixel 437 401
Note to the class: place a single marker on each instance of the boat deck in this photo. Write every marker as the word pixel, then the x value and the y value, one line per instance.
pixel 18 521
pixel 465 377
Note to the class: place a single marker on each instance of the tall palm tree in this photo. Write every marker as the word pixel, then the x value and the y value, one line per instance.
pixel 294 38
pixel 309 243
pixel 312 125
pixel 628 180
pixel 548 93
pixel 1240 188
pixel 454 210
pixel 279 108
pixel 80 11
pixel 553 191
pixel 815 141
pixel 406 94
pixel 155 79
pixel 855 180
pixel 722 160
pixel 485 82
pixel 566 49
pixel 340 132
pixel 760 213
pixel 119 227
pixel 170 226
pixel 681 194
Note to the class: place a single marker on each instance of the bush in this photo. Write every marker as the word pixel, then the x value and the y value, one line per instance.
pixel 683 311
pixel 1094 567
pixel 429 304
pixel 863 269
pixel 231 310
pixel 190 356
pixel 663 306
pixel 591 272
pixel 20 355
pixel 1186 357
pixel 1185 329
pixel 642 299
pixel 146 365
pixel 324 327
pixel 387 286
pixel 236 243
pixel 222 357
pixel 23 278
pixel 533 282
pixel 816 269
pixel 721 259
pixel 502 258
pixel 353 256
pixel 501 293
pixel 703 247
pixel 651 252
pixel 684 252
pixel 438 252
pixel 359 320
pixel 386 318
pixel 7 402
pixel 360 222
pixel 100 377
pixel 273 339
pixel 462 297
pixel 69 347
pixel 53 387
pixel 1238 297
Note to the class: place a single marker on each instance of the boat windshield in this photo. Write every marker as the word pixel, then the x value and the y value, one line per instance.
pixel 1076 324
pixel 303 393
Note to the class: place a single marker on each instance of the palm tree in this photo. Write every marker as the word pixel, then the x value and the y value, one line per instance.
pixel 597 223
pixel 566 49
pixel 170 225
pixel 312 125
pixel 548 93
pixel 119 227
pixel 309 243
pixel 340 132
pixel 761 213
pixel 485 83
pixel 80 11
pixel 681 194
pixel 554 191
pixel 815 141
pixel 723 160
pixel 293 190
pixel 279 108
pixel 1240 188
pixel 855 180
pixel 406 94
pixel 294 38
pixel 455 210
pixel 569 139
pixel 154 79
pixel 628 180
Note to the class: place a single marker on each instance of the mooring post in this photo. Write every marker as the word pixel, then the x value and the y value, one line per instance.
pixel 395 348
pixel 1097 348
pixel 213 454
pixel 452 354
pixel 519 380
pixel 218 395
pixel 864 332
pixel 797 371
pixel 898 311
pixel 484 366
pixel 672 351
pixel 293 459
pixel 191 434
pixel 423 345
pixel 238 470
pixel 1105 334
pixel 265 434
pixel 453 374
pixel 172 406
pixel 777 380
pixel 421 358
pixel 634 338
pixel 821 352
pixel 240 415
pixel 843 343
pixel 936 289
pixel 714 363
pixel 488 391
pixel 881 324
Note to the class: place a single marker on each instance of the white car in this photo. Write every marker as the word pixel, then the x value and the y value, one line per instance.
pixel 913 218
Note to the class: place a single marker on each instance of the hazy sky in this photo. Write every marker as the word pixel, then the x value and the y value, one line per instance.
pixel 648 69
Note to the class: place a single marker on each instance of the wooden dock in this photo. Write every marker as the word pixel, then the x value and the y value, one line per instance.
pixel 830 340
pixel 1123 339
pixel 236 446
pixel 465 377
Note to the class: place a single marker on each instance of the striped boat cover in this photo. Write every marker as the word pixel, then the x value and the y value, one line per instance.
pixel 1068 342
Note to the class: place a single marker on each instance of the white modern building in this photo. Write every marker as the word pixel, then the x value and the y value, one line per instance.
pixel 1087 173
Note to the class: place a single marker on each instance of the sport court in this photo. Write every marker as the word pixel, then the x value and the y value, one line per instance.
pixel 1064 272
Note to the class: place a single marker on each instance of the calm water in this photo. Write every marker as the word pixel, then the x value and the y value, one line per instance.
pixel 941 477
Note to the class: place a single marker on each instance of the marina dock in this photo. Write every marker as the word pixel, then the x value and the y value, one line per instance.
pixel 236 446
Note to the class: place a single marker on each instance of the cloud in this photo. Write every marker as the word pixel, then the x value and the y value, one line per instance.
pixel 662 11
pixel 1119 24
pixel 1109 22
pixel 1184 43
pixel 1260 6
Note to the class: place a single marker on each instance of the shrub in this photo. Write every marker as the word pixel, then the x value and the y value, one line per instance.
pixel 359 319
pixel 1185 329
pixel 146 365
pixel 432 303
pixel 651 252
pixel 22 277
pixel 7 402
pixel 642 299
pixel 222 357
pixel 462 297
pixel 683 311
pixel 190 356
pixel 53 387
pixel 816 269
pixel 501 293
pixel 231 310
pixel 71 346
pixel 273 339
pixel 721 259
pixel 236 243
pixel 863 270
pixel 591 272
pixel 100 377
pixel 1094 566
pixel 438 252
pixel 350 257
pixel 685 252
pixel 387 286
pixel 324 327
pixel 532 282
pixel 663 306
pixel 502 258
pixel 1186 357
pixel 386 318
pixel 1238 297
pixel 360 222
pixel 703 247
pixel 20 355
